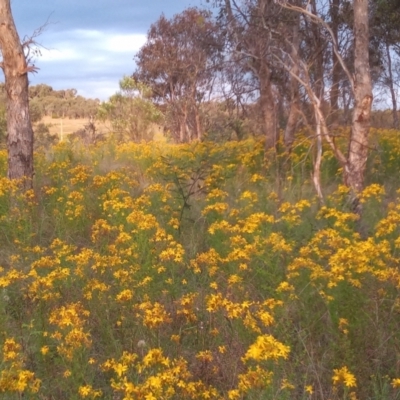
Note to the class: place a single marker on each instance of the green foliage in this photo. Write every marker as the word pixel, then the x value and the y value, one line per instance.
pixel 42 136
pixel 44 100
pixel 130 111
pixel 179 62
pixel 256 291
pixel 221 125
pixel 35 111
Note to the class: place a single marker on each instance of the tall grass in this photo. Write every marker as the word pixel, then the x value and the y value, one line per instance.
pixel 202 271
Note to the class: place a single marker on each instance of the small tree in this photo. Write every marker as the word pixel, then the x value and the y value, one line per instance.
pixel 130 111
pixel 385 32
pixel 19 127
pixel 179 63
pixel 355 161
pixel 250 46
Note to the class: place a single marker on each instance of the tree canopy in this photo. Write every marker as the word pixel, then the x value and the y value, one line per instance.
pixel 130 111
pixel 179 62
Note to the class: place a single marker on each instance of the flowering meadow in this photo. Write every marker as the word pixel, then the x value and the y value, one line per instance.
pixel 199 271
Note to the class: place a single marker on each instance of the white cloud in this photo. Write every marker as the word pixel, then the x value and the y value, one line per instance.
pixel 61 53
pixel 101 89
pixel 124 43
pixel 91 44
pixel 91 61
pixel 87 34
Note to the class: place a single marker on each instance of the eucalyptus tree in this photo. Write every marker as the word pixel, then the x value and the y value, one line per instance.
pixel 385 20
pixel 179 63
pixel 251 30
pixel 130 111
pixel 356 161
pixel 359 79
pixel 19 128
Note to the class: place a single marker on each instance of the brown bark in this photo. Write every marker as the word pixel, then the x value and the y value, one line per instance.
pixel 334 92
pixel 316 176
pixel 391 87
pixel 319 47
pixel 294 111
pixel 198 123
pixel 182 126
pixel 19 127
pixel 354 164
pixel 196 113
pixel 358 145
pixel 268 107
pixel 256 45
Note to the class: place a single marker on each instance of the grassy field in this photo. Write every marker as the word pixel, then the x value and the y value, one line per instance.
pixel 62 127
pixel 202 271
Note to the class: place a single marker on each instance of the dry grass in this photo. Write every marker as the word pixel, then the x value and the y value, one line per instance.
pixel 65 126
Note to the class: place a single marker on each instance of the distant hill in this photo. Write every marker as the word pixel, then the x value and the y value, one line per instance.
pixel 45 101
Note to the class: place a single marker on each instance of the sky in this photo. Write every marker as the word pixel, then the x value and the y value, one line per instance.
pixel 89 45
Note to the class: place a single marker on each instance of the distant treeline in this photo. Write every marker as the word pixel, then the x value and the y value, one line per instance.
pixel 45 101
pixel 218 122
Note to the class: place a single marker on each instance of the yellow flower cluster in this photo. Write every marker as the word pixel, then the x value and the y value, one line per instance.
pixel 13 375
pixel 122 278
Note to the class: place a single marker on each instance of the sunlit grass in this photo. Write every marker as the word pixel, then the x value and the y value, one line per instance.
pixel 202 271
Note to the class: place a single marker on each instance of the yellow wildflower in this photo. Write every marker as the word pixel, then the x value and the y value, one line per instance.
pixel 267 347
pixel 396 383
pixel 309 389
pixel 343 375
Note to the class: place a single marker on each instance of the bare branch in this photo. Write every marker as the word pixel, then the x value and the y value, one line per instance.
pixel 316 102
pixel 31 47
pixel 316 19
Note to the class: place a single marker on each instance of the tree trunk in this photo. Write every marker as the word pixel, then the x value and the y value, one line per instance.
pixel 293 118
pixel 358 145
pixel 19 127
pixel 198 123
pixel 334 92
pixel 319 48
pixel 391 87
pixel 183 133
pixel 268 108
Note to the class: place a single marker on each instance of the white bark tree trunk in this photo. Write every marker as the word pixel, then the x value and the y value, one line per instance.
pixel 358 145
